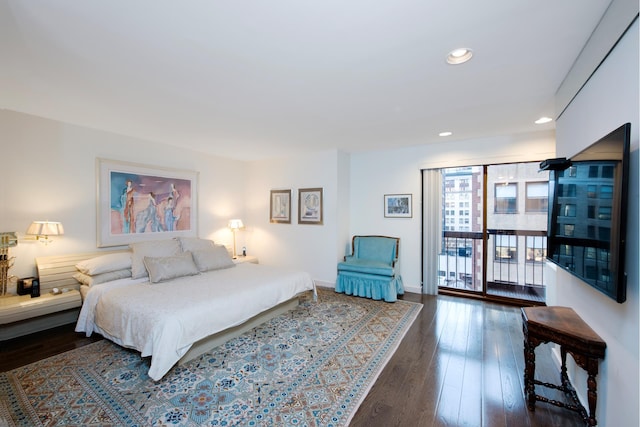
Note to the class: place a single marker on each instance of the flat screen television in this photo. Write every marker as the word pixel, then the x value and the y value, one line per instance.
pixel 587 228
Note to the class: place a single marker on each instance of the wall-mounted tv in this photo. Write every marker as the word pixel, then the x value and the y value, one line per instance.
pixel 587 228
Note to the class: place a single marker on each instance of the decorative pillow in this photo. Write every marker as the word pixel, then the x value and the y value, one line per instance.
pixel 215 258
pixel 105 263
pixel 90 280
pixel 156 248
pixel 171 267
pixel 194 244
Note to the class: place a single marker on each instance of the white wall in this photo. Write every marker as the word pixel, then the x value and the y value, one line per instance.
pixel 609 99
pixel 309 247
pixel 48 173
pixel 376 173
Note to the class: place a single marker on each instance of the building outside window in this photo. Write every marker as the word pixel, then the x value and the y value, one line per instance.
pixel 506 248
pixel 506 198
pixel 537 197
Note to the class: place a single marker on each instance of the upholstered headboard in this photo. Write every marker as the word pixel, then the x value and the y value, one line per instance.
pixel 57 271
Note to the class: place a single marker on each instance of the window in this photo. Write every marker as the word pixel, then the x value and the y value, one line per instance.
pixel 567 190
pixel 568 230
pixel 508 204
pixel 570 190
pixel 606 192
pixel 566 250
pixel 536 248
pixel 569 210
pixel 506 198
pixel 604 212
pixel 537 197
pixel 506 248
pixel 604 255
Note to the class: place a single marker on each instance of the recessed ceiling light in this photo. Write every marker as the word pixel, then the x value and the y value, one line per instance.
pixel 543 120
pixel 445 133
pixel 459 56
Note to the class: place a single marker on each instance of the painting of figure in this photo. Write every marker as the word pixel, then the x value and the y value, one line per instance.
pixel 142 203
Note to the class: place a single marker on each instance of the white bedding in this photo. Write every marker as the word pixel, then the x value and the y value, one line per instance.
pixel 163 320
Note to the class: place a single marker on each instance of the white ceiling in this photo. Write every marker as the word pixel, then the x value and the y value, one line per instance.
pixel 251 79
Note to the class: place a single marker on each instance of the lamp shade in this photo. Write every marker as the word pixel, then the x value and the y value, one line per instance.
pixel 45 228
pixel 235 224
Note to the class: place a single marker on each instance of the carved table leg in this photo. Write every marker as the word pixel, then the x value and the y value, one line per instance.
pixel 563 369
pixel 529 373
pixel 592 370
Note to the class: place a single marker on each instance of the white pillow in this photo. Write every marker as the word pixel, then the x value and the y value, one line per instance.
pixel 171 267
pixel 194 244
pixel 215 258
pixel 156 248
pixel 105 263
pixel 89 280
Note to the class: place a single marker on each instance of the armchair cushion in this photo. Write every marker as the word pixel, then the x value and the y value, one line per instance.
pixel 366 266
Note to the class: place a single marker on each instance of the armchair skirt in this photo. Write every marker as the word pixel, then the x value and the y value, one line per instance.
pixel 370 285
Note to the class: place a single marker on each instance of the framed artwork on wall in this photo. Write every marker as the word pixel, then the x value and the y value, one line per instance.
pixel 280 207
pixel 397 206
pixel 138 202
pixel 310 206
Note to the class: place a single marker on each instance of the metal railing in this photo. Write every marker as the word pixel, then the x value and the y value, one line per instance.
pixel 514 263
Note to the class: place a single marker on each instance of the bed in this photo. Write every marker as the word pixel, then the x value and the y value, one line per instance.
pixel 176 320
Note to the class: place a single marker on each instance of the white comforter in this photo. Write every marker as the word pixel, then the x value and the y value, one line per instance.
pixel 163 320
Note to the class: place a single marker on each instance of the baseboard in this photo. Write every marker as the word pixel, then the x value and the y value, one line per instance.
pixel 324 284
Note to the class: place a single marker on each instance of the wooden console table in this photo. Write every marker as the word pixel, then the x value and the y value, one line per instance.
pixel 561 325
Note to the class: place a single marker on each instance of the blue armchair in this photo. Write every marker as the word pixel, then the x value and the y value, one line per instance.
pixel 371 269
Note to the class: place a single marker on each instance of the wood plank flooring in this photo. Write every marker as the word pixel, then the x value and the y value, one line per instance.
pixel 460 364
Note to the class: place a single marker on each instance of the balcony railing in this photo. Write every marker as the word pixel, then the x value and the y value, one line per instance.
pixel 514 263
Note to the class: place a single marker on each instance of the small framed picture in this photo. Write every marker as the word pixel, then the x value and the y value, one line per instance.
pixel 310 206
pixel 280 207
pixel 397 206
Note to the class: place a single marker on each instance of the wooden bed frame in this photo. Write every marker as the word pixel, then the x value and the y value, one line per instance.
pixel 57 272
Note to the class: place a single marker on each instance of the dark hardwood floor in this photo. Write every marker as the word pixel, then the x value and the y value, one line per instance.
pixel 460 364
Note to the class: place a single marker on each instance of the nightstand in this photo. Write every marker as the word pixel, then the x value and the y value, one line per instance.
pixel 22 315
pixel 249 258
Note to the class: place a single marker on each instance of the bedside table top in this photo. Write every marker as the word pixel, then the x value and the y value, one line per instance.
pixel 21 307
pixel 249 258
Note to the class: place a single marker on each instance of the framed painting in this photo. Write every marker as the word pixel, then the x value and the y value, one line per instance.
pixel 310 206
pixel 397 206
pixel 280 207
pixel 137 202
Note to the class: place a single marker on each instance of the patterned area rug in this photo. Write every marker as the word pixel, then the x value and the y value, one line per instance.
pixel 312 366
